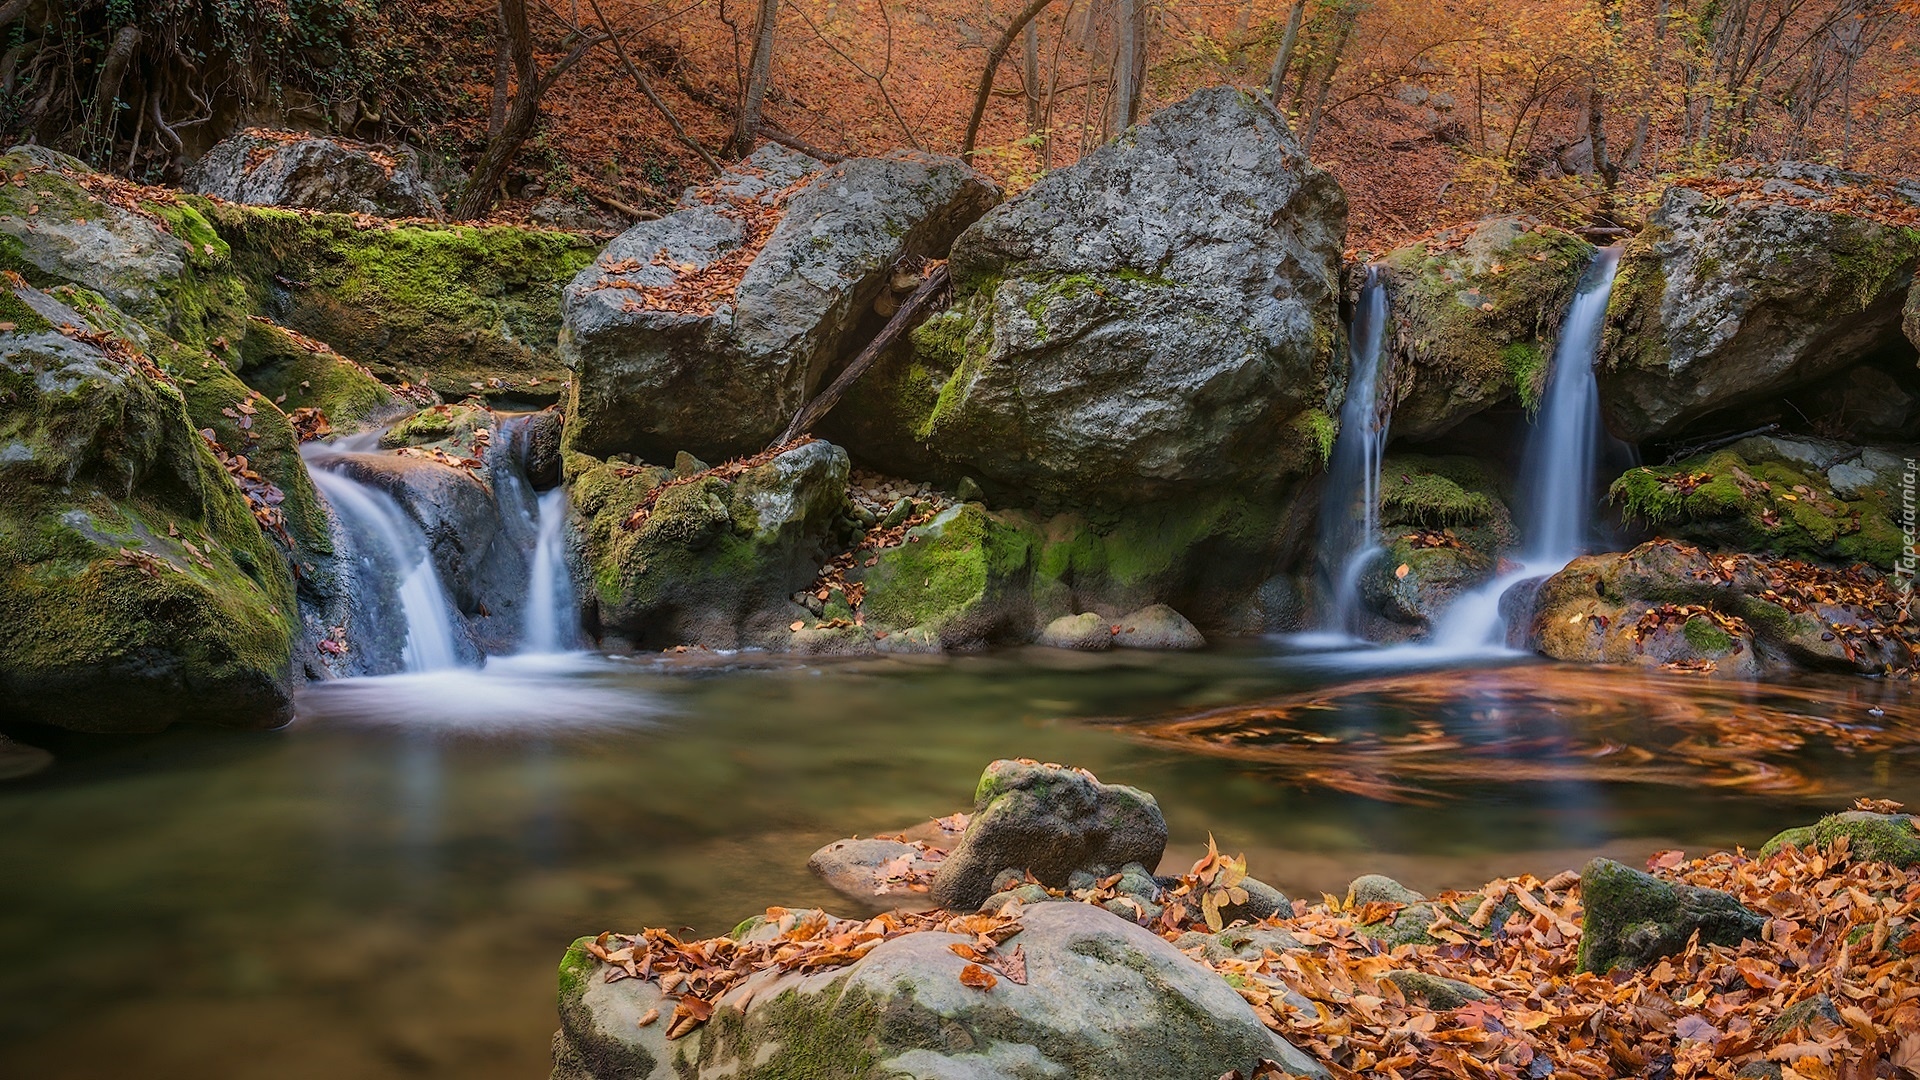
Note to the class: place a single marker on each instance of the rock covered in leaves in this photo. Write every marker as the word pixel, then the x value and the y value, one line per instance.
pixel 136 583
pixel 310 172
pixel 1158 315
pixel 1050 821
pixel 1669 604
pixel 1751 282
pixel 1633 918
pixel 1473 315
pixel 1091 997
pixel 711 557
pixel 707 329
pixel 877 870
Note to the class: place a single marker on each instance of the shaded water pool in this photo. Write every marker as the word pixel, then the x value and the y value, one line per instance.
pixel 383 888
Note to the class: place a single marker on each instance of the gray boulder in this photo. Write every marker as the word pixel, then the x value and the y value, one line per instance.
pixel 722 374
pixel 1086 632
pixel 1157 626
pixel 1160 314
pixel 1048 820
pixel 875 871
pixel 311 172
pixel 1633 918
pixel 1728 300
pixel 1103 999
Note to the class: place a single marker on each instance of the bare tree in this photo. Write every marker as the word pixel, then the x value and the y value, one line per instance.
pixel 995 54
pixel 529 87
pixel 1129 60
pixel 1284 58
pixel 759 72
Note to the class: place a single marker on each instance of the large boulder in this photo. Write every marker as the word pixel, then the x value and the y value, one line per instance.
pixel 1102 999
pixel 1050 821
pixel 1752 283
pixel 136 584
pixel 312 172
pixel 1159 315
pixel 707 329
pixel 1474 313
pixel 1669 604
pixel 710 556
pixel 1633 918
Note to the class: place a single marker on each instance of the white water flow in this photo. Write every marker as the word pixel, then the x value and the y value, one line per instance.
pixel 1350 510
pixel 1557 472
pixel 392 554
pixel 550 614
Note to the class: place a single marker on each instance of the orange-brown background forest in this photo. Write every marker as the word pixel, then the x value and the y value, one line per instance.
pixel 1429 112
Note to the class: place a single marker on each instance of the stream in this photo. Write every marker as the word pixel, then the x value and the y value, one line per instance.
pixel 383 888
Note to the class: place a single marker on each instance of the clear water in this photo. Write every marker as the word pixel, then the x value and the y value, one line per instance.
pixel 383 888
pixel 1350 503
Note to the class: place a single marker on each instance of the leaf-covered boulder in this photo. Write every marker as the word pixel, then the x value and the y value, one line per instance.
pixel 707 329
pixel 1102 999
pixel 310 172
pixel 1161 314
pixel 1633 918
pixel 1871 837
pixel 1473 315
pixel 136 584
pixel 1050 821
pixel 1750 283
pixel 712 556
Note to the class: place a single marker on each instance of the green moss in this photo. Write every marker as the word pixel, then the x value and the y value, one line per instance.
pixel 960 561
pixel 1635 334
pixel 1321 429
pixel 1526 363
pixel 832 1033
pixel 25 320
pixel 1633 918
pixel 301 373
pixel 1438 492
pixel 1870 260
pixel 1706 636
pixel 1888 838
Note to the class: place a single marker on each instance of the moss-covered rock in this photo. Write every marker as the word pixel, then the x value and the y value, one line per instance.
pixel 136 584
pixel 1754 497
pixel 439 306
pixel 1727 299
pixel 708 559
pixel 1871 837
pixel 1445 520
pixel 1633 918
pixel 964 576
pixel 1102 999
pixel 1474 316
pixel 298 372
pixel 1435 992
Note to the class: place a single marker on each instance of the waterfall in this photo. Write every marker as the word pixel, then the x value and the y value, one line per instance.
pixel 550 615
pixel 1557 472
pixel 1350 507
pixel 395 571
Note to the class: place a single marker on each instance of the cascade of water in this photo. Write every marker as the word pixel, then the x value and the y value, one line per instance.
pixel 1557 472
pixel 1350 509
pixel 550 616
pixel 394 568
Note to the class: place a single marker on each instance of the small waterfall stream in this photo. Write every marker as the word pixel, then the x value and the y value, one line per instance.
pixel 1350 509
pixel 1557 472
pixel 396 576
pixel 550 617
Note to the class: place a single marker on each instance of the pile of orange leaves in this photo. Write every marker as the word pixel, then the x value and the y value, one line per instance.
pixel 1831 991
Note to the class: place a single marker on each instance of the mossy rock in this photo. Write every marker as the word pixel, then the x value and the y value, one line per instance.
pixel 1633 918
pixel 446 424
pixel 963 575
pixel 297 372
pixel 442 306
pixel 1474 320
pixel 1887 838
pixel 1435 992
pixel 137 586
pixel 1735 503
pixel 1444 519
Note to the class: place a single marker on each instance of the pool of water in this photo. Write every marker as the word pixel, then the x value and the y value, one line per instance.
pixel 383 888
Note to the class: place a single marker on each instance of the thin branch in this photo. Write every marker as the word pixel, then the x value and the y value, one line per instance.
pixel 646 88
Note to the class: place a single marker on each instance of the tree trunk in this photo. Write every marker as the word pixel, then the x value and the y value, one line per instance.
pixel 816 410
pixel 1326 79
pixel 1283 59
pixel 1128 49
pixel 522 114
pixel 1030 74
pixel 106 94
pixel 759 72
pixel 994 55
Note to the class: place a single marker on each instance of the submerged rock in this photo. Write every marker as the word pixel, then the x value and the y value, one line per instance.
pixel 18 760
pixel 1727 299
pixel 137 587
pixel 1103 999
pixel 1871 837
pixel 311 172
pixel 1474 314
pixel 810 248
pixel 1633 918
pixel 1049 821
pixel 711 558
pixel 1086 632
pixel 875 871
pixel 1160 314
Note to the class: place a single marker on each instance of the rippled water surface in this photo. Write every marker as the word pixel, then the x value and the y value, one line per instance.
pixel 383 888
